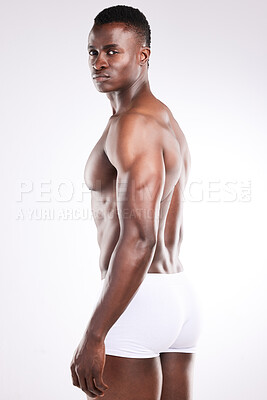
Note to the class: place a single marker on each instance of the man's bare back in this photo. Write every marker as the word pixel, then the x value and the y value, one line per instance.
pixel 100 176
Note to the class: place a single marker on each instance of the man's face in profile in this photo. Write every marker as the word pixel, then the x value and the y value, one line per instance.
pixel 113 51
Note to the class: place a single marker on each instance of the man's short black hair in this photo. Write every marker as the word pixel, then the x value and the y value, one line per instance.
pixel 133 18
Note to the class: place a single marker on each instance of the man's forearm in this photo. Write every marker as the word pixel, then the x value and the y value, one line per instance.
pixel 127 269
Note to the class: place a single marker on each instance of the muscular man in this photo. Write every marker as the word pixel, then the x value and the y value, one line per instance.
pixel 141 337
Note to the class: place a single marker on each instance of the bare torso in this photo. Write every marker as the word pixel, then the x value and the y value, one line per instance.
pixel 100 177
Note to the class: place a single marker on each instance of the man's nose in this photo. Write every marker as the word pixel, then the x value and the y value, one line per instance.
pixel 100 62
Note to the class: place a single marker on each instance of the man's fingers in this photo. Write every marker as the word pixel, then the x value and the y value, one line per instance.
pixel 99 384
pixel 82 384
pixel 92 387
pixel 87 385
pixel 91 396
pixel 86 389
pixel 75 379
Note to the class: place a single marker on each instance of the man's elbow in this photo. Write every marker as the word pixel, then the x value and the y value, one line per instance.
pixel 139 239
pixel 146 243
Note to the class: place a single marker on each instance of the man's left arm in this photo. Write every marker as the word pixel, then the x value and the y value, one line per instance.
pixel 140 183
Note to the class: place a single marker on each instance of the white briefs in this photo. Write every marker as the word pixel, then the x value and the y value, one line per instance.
pixel 163 316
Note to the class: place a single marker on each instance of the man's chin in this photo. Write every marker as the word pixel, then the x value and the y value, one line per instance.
pixel 104 90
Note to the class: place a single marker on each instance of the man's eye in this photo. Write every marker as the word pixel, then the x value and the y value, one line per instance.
pixel 94 52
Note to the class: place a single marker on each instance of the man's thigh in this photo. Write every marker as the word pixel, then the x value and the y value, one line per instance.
pixel 132 378
pixel 177 371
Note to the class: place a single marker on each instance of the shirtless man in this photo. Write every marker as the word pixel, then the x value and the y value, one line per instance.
pixel 141 337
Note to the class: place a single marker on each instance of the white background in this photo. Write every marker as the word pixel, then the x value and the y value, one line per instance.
pixel 208 65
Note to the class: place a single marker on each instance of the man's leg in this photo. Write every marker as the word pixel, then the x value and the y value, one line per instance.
pixel 177 370
pixel 132 378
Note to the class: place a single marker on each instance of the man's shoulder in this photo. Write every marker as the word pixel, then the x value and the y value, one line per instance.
pixel 131 127
pixel 131 120
pixel 132 135
pixel 137 120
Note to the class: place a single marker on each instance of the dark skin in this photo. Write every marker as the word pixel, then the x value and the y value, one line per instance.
pixel 137 172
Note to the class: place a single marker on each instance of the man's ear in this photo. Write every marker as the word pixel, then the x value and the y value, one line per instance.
pixel 144 55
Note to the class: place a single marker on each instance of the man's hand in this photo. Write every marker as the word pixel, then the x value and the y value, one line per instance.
pixel 87 367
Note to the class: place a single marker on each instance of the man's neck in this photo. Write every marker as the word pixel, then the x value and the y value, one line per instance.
pixel 123 100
